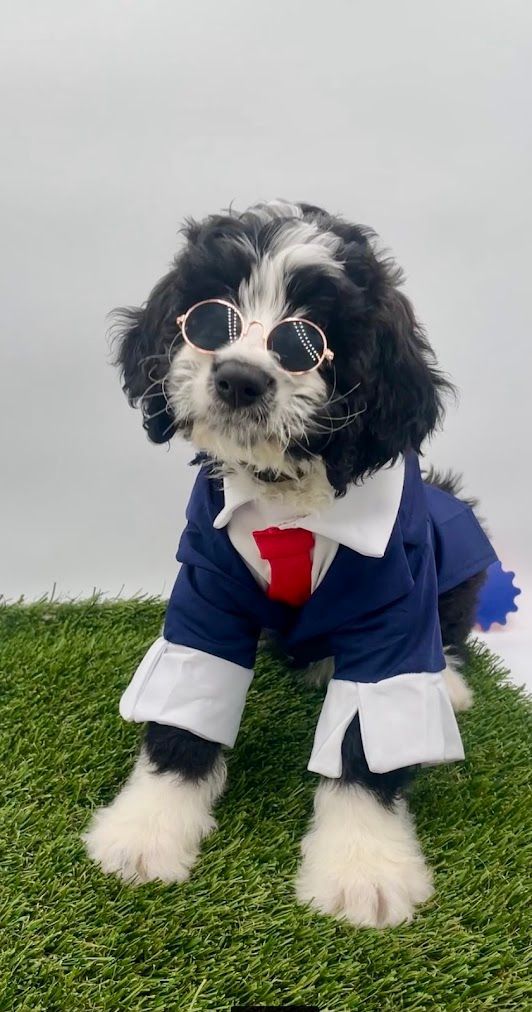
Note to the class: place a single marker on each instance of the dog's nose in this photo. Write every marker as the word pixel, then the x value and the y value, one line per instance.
pixel 239 384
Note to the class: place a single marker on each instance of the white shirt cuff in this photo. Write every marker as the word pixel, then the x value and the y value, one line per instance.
pixel 404 721
pixel 190 689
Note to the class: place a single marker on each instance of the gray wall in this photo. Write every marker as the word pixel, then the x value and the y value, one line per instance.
pixel 123 117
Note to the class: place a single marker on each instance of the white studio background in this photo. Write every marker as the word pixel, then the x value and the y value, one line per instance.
pixel 122 118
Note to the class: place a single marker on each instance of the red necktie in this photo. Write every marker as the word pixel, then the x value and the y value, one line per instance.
pixel 288 551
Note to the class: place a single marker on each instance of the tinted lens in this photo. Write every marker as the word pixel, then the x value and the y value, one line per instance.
pixel 211 325
pixel 298 344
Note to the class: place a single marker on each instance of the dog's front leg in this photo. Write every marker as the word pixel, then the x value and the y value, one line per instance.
pixel 362 861
pixel 154 827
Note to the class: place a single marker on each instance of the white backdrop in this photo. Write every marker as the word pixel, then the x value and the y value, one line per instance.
pixel 122 118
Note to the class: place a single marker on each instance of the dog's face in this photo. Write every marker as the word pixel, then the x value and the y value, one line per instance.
pixel 357 390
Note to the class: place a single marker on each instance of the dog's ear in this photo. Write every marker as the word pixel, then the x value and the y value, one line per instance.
pixel 399 399
pixel 144 339
pixel 406 396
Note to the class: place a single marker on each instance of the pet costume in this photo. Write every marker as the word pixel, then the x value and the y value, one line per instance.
pixel 381 555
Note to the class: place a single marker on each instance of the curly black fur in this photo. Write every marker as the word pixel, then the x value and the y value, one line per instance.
pixel 355 770
pixel 449 482
pixel 172 749
pixel 457 607
pixel 378 342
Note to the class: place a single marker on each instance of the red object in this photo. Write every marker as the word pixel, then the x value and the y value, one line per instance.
pixel 289 553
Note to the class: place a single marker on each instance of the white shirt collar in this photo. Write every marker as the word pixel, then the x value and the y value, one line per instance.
pixel 362 520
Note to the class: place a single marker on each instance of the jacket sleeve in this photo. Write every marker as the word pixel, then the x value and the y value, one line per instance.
pixel 196 675
pixel 389 669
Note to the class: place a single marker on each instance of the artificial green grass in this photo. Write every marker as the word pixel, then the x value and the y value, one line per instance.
pixel 75 939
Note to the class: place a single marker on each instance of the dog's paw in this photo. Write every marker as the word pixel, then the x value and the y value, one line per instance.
pixel 460 694
pixel 367 893
pixel 362 863
pixel 143 846
pixel 153 829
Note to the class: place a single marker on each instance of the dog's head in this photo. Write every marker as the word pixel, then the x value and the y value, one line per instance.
pixel 365 394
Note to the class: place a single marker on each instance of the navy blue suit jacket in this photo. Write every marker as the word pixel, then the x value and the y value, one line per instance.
pixel 377 616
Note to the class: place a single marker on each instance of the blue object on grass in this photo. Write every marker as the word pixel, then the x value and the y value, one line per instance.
pixel 497 597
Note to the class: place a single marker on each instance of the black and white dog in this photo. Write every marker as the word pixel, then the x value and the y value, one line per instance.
pixel 281 346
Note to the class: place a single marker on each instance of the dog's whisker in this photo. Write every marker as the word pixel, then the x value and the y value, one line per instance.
pixel 350 414
pixel 168 428
pixel 171 347
pixel 332 427
pixel 306 450
pixel 154 383
pixel 342 418
pixel 146 396
pixel 156 393
pixel 163 388
pixel 341 397
pixel 162 356
pixel 163 411
pixel 333 391
pixel 153 358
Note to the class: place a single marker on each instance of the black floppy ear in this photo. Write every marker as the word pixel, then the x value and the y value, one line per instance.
pixel 406 399
pixel 144 339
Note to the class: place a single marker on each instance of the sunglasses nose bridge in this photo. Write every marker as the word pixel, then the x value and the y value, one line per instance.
pixel 253 323
pixel 254 333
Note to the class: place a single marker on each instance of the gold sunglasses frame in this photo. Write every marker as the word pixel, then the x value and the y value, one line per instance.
pixel 326 356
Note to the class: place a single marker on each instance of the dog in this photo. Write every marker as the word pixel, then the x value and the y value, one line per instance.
pixel 281 346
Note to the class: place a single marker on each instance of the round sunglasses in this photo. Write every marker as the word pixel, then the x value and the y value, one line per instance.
pixel 299 345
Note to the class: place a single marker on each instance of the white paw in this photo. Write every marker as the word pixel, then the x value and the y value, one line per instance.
pixel 154 828
pixel 362 862
pixel 460 694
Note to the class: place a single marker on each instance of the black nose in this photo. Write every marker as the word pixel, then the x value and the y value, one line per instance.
pixel 239 384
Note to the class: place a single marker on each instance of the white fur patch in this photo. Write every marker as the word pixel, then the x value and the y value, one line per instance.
pixel 460 694
pixel 154 827
pixel 309 493
pixel 269 210
pixel 362 862
pixel 262 296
